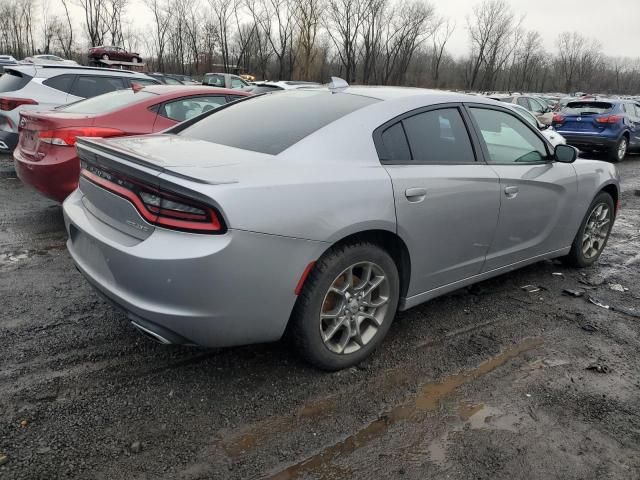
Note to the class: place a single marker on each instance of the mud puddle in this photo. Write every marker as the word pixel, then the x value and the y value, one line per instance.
pixel 427 400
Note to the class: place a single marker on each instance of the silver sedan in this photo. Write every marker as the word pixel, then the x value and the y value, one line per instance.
pixel 336 209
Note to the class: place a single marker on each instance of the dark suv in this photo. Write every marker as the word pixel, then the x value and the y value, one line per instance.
pixel 606 125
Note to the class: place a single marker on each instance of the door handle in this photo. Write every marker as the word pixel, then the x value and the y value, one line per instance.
pixel 415 194
pixel 511 191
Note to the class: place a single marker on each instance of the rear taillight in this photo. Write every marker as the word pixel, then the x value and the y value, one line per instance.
pixel 9 103
pixel 159 207
pixel 557 118
pixel 609 119
pixel 66 137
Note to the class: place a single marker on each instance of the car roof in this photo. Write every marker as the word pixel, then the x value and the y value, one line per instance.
pixel 392 93
pixel 26 68
pixel 191 89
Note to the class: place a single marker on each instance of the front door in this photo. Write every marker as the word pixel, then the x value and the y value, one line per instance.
pixel 537 195
pixel 446 202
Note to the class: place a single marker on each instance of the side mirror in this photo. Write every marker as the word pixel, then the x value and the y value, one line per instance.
pixel 566 153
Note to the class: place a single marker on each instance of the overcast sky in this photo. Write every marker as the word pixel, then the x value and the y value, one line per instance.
pixel 615 23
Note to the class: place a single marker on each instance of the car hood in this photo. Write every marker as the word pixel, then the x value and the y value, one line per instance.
pixel 186 157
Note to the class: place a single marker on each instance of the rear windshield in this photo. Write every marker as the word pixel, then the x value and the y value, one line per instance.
pixel 13 80
pixel 107 102
pixel 587 108
pixel 273 122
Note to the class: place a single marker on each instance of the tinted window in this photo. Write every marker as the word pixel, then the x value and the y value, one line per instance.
pixel 172 81
pixel 186 108
pixel 144 81
pixel 272 123
pixel 61 82
pixel 107 102
pixel 523 102
pixel 13 80
pixel 395 144
pixel 88 86
pixel 508 139
pixel 439 136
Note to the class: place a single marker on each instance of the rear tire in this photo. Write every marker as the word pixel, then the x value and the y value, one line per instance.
pixel 335 330
pixel 593 233
pixel 618 153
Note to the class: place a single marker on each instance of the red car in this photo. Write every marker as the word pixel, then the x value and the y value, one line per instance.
pixel 106 52
pixel 46 158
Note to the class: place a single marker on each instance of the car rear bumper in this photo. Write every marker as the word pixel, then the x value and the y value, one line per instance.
pixel 55 176
pixel 580 139
pixel 210 290
pixel 8 141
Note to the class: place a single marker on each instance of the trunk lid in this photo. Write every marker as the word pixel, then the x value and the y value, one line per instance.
pixel 32 123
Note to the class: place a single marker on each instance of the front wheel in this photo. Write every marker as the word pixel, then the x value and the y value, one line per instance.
pixel 593 233
pixel 618 153
pixel 346 307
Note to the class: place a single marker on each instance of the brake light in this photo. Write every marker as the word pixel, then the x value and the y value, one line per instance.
pixel 9 103
pixel 609 119
pixel 66 137
pixel 159 207
pixel 557 118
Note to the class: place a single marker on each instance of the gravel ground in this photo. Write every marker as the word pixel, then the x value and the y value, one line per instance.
pixel 490 382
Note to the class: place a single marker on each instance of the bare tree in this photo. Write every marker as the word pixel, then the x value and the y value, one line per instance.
pixel 441 37
pixel 95 18
pixel 308 20
pixel 161 19
pixel 576 57
pixel 344 20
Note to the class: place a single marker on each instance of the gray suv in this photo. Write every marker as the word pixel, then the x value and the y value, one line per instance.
pixel 42 87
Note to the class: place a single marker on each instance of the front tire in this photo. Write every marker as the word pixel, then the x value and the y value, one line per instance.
pixel 618 153
pixel 346 306
pixel 593 233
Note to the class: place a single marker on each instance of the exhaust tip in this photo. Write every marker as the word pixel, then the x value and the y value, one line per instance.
pixel 156 337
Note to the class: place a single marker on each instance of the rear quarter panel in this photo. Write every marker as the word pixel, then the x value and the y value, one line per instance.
pixel 593 176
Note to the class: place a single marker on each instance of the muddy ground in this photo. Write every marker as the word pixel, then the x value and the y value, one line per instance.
pixel 490 382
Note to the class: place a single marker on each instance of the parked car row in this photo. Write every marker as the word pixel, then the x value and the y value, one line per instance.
pixel 338 207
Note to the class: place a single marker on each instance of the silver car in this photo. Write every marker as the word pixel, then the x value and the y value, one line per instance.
pixel 337 208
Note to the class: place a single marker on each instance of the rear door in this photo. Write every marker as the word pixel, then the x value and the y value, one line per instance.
pixel 537 195
pixel 446 198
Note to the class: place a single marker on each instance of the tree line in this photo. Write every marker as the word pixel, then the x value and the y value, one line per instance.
pixel 382 42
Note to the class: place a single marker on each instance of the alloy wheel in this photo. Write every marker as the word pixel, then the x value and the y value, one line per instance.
pixel 596 230
pixel 354 307
pixel 622 149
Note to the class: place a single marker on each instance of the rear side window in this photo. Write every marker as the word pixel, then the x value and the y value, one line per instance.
pixel 395 144
pixel 107 102
pixel 13 80
pixel 587 108
pixel 629 108
pixel 60 82
pixel 87 86
pixel 215 80
pixel 439 136
pixel 186 108
pixel 272 123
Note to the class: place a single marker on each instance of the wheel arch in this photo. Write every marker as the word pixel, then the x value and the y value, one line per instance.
pixel 389 241
pixel 612 190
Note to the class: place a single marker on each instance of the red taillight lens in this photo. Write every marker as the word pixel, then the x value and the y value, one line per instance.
pixel 9 103
pixel 159 207
pixel 609 119
pixel 66 137
pixel 557 118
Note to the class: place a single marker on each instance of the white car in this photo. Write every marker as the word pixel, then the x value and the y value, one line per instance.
pixel 43 87
pixel 547 131
pixel 48 60
pixel 264 87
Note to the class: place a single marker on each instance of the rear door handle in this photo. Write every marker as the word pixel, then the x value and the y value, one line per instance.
pixel 415 194
pixel 511 191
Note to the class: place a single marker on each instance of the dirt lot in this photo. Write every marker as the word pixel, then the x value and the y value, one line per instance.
pixel 490 382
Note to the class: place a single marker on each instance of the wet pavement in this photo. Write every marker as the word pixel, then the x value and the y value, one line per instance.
pixel 489 382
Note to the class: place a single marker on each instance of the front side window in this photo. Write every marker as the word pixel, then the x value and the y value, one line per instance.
pixel 508 139
pixel 523 102
pixel 186 108
pixel 238 82
pixel 536 106
pixel 87 86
